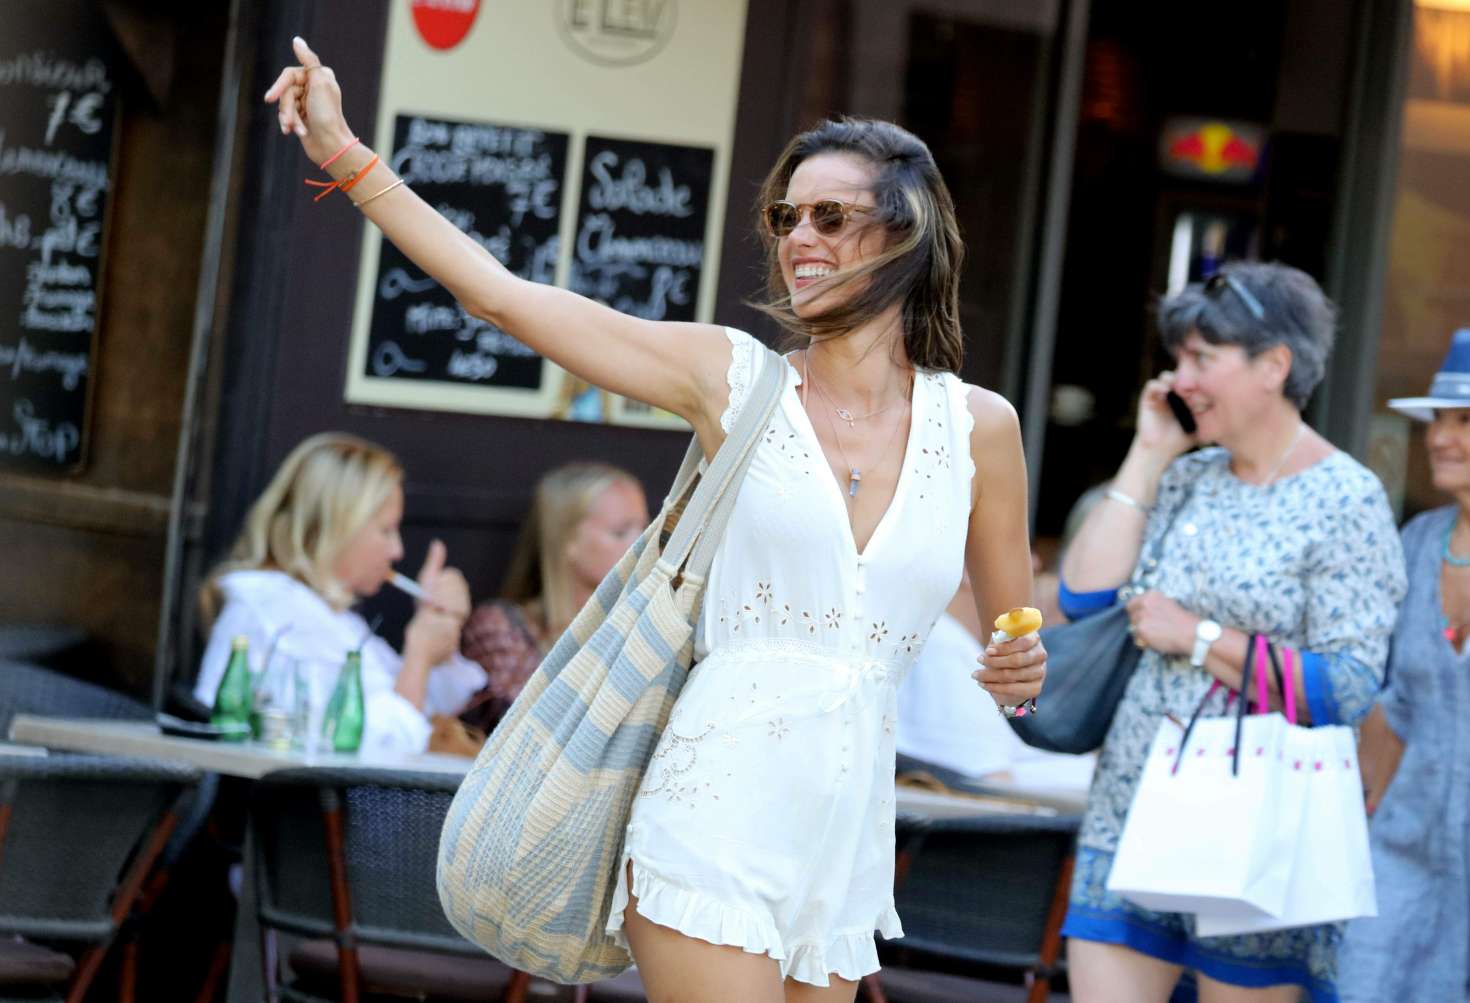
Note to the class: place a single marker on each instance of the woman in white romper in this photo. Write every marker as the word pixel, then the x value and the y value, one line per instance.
pixel 760 854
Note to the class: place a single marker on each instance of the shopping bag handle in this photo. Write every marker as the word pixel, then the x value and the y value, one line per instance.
pixel 1285 681
pixel 1254 664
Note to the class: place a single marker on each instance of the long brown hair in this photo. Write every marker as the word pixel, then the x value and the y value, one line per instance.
pixel 920 264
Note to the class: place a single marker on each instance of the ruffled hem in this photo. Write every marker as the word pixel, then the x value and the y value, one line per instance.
pixel 848 955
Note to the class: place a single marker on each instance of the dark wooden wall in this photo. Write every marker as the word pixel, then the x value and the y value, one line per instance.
pixel 87 550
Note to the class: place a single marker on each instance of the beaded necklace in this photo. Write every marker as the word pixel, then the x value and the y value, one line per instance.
pixel 1449 555
pixel 1455 633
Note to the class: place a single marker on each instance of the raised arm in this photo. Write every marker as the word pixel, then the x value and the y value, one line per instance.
pixel 679 367
pixel 1106 548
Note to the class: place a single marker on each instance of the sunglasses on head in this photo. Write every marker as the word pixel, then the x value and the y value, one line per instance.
pixel 1215 283
pixel 828 216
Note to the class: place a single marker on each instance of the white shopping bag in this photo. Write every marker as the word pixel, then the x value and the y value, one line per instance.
pixel 1332 869
pixel 1215 818
pixel 1205 836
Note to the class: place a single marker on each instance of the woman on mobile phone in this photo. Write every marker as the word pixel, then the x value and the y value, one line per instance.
pixel 1278 533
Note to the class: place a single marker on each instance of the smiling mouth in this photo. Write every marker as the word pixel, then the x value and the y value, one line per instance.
pixel 805 275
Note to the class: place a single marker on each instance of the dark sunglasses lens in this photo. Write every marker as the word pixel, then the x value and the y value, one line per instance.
pixel 828 217
pixel 781 218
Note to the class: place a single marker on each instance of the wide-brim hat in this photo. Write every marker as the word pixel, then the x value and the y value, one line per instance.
pixel 1451 386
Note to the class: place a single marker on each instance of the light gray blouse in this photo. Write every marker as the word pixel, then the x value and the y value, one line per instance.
pixel 1417 950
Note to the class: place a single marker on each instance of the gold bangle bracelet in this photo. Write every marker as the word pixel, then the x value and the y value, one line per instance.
pixel 381 191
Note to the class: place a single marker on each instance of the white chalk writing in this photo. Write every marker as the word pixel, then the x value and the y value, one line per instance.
pixel 53 165
pixel 397 281
pixel 39 437
pixel 23 357
pixel 42 69
pixel 630 192
pixel 15 231
pixel 389 359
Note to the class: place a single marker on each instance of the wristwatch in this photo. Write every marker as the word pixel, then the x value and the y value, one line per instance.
pixel 1206 633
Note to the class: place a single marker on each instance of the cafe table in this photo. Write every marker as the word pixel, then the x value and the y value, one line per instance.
pixel 251 760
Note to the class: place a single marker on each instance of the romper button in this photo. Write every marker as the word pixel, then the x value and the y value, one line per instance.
pixel 858 590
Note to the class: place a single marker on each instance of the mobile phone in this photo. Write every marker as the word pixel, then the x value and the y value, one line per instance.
pixel 1181 412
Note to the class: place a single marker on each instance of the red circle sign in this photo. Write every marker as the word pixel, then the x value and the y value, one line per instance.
pixel 443 24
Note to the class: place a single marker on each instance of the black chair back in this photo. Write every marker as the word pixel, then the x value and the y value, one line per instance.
pixel 26 688
pixel 349 854
pixel 78 836
pixel 984 890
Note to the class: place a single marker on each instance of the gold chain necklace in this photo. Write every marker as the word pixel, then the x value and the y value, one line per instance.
pixel 854 475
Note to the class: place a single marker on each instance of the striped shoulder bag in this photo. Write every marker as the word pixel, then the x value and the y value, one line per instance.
pixel 530 847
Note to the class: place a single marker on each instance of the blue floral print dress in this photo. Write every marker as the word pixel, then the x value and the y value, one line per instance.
pixel 1313 561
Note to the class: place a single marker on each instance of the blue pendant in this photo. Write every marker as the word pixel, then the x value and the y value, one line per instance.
pixel 854 481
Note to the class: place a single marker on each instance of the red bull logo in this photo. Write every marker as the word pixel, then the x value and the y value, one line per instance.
pixel 1220 151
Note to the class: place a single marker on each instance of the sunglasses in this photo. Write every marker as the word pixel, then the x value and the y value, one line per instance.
pixel 1220 281
pixel 828 216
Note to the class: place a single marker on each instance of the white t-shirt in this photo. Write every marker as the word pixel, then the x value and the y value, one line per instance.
pixel 259 604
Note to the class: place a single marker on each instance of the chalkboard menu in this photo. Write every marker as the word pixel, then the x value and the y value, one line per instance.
pixel 502 186
pixel 640 226
pixel 57 111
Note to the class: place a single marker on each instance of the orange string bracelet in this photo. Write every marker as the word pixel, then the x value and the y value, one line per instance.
pixel 348 183
pixel 334 157
pixel 327 187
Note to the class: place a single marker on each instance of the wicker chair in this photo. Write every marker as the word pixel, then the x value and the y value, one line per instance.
pixel 43 643
pixel 978 895
pixel 78 837
pixel 27 688
pixel 344 863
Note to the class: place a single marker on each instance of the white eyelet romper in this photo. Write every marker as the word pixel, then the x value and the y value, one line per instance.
pixel 765 820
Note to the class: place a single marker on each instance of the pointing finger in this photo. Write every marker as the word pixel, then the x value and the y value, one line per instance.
pixel 304 53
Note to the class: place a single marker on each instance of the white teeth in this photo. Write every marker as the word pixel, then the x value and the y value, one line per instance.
pixel 812 271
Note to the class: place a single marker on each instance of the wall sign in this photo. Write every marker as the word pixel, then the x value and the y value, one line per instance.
pixel 640 244
pixel 617 32
pixel 1211 149
pixel 443 24
pixel 501 185
pixel 57 109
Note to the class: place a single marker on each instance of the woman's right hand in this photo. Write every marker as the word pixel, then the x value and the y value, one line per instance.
pixel 1158 431
pixel 309 103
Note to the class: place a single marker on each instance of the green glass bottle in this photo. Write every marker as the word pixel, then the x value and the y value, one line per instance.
pixel 343 721
pixel 235 698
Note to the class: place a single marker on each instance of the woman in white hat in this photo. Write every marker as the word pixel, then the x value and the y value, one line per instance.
pixel 1415 766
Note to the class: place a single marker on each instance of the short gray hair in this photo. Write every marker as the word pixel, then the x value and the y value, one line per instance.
pixel 1297 314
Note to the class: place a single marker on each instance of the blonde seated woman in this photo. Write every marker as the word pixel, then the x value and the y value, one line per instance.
pixel 323 536
pixel 583 518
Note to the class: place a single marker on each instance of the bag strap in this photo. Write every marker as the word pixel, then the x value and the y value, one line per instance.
pixel 1150 561
pixel 1285 681
pixel 1254 654
pixel 704 518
